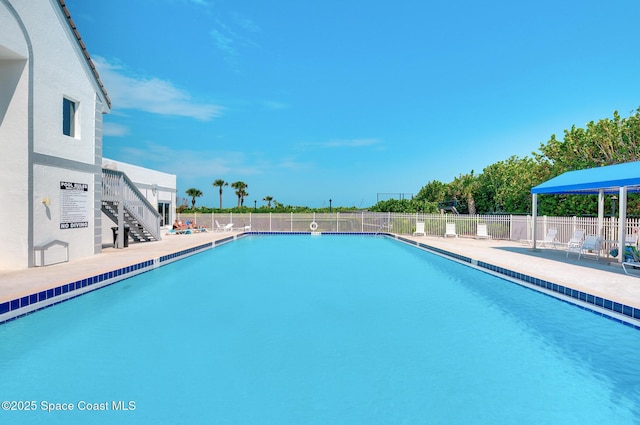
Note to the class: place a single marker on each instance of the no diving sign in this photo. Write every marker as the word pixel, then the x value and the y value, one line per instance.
pixel 74 205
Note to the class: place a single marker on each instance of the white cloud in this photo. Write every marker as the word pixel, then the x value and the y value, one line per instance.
pixel 231 38
pixel 224 42
pixel 190 164
pixel 342 143
pixel 150 94
pixel 291 163
pixel 246 23
pixel 112 129
pixel 272 104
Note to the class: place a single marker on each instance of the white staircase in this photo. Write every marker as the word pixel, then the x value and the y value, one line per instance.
pixel 123 203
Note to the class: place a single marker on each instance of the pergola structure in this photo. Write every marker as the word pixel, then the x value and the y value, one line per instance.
pixel 608 180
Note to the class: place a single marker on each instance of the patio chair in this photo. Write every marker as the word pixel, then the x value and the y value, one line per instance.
pixel 591 243
pixel 551 238
pixel 575 241
pixel 224 228
pixel 482 232
pixel 176 231
pixel 451 230
pixel 419 229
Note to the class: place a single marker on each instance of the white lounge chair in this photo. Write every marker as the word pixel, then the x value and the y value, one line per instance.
pixel 419 229
pixel 451 230
pixel 631 259
pixel 551 238
pixel 591 243
pixel 482 232
pixel 632 264
pixel 224 228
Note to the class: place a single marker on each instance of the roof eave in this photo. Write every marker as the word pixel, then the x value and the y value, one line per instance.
pixel 85 52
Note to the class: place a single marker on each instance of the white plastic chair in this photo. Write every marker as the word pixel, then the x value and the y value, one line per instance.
pixel 482 232
pixel 575 241
pixel 419 229
pixel 451 230
pixel 551 238
pixel 591 243
pixel 224 228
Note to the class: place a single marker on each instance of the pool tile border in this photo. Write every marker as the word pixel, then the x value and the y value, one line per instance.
pixel 598 305
pixel 13 309
pixel 18 307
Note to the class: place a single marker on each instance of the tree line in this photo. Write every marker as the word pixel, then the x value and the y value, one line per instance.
pixel 505 186
pixel 240 189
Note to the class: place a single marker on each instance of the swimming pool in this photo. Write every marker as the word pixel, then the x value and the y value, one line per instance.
pixel 329 329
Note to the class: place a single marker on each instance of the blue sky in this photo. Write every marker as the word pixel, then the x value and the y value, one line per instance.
pixel 307 101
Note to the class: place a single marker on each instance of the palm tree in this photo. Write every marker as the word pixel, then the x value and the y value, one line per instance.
pixel 465 185
pixel 194 193
pixel 243 194
pixel 268 200
pixel 219 183
pixel 240 191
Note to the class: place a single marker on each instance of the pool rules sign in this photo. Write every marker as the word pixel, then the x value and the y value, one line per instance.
pixel 74 205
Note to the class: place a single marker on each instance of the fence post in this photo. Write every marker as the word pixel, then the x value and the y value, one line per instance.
pixel 510 227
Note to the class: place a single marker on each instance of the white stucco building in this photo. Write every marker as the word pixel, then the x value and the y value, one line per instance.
pixel 157 187
pixel 51 106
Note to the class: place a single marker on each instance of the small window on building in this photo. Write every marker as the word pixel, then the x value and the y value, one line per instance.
pixel 69 117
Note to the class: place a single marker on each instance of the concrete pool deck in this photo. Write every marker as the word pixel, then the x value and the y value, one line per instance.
pixel 603 278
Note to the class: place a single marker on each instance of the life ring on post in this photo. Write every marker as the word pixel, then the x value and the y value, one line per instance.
pixel 313 226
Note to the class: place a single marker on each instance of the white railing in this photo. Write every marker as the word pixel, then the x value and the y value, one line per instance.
pixel 116 187
pixel 507 227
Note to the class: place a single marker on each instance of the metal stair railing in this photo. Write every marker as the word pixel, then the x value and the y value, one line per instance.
pixel 120 190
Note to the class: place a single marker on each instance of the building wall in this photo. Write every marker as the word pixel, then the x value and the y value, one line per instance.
pixel 157 187
pixel 44 63
pixel 14 138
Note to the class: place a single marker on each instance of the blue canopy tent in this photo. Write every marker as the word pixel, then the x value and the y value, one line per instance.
pixel 611 179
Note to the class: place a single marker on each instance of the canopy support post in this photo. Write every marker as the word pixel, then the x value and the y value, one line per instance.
pixel 622 223
pixel 600 212
pixel 534 211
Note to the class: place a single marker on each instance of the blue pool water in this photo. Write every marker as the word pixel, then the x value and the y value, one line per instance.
pixel 319 330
